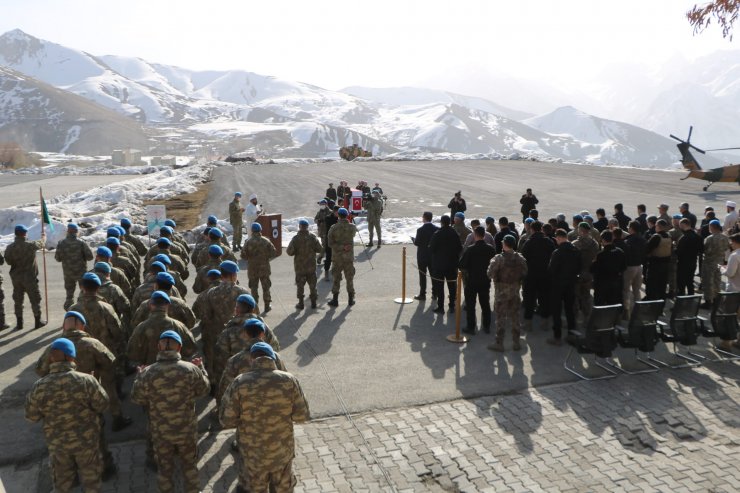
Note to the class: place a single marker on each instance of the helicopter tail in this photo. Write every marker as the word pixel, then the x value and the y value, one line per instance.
pixel 687 159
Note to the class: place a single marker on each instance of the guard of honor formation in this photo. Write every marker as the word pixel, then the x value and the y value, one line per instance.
pixel 119 325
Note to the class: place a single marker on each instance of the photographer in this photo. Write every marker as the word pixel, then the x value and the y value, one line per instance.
pixel 457 204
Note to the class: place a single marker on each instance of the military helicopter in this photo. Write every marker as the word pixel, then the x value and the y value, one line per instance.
pixel 729 173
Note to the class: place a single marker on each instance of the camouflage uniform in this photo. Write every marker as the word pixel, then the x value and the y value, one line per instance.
pixel 320 220
pixel 263 404
pixel 507 270
pixel 203 255
pixel 374 211
pixel 219 308
pixel 303 247
pixel 236 218
pixel 716 246
pixel 144 292
pixel 589 248
pixel 74 254
pixel 173 250
pixel 127 266
pixel 168 390
pixel 200 283
pixel 341 238
pixel 70 403
pixel 142 347
pixel 178 310
pixel 258 251
pixel 102 322
pixel 118 278
pixel 24 273
pixel 239 363
pixel 462 231
pixel 114 296
pixel 178 264
pixel 136 244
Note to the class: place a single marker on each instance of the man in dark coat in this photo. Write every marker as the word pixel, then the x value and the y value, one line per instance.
pixel 688 250
pixel 423 255
pixel 620 216
pixel 563 270
pixel 607 270
pixel 537 251
pixel 474 261
pixel 445 248
pixel 457 204
pixel 529 201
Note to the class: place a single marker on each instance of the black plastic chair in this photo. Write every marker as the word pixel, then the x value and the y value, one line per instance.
pixel 724 323
pixel 599 339
pixel 684 328
pixel 641 334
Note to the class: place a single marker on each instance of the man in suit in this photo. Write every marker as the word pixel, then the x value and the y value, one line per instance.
pixel 445 248
pixel 423 256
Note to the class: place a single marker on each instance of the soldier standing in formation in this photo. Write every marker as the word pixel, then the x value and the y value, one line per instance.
pixel 74 254
pixel 258 252
pixel 374 206
pixel 341 238
pixel 70 404
pixel 320 220
pixel 507 271
pixel 303 247
pixel 168 389
pixel 236 218
pixel 24 273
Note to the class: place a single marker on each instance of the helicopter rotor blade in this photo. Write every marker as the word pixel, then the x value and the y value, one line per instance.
pixel 674 137
pixel 691 129
pixel 697 149
pixel 724 149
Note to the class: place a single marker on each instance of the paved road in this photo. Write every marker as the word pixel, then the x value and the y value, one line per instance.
pixel 23 189
pixel 490 187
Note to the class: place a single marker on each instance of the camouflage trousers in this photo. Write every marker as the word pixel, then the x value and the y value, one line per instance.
pixel 208 337
pixel 108 381
pixel 70 283
pixel 165 454
pixel 348 269
pixel 86 464
pixel 507 308
pixel 30 286
pixel 710 278
pixel 237 241
pixel 584 299
pixel 254 282
pixel 324 245
pixel 300 282
pixel 260 480
pixel 372 226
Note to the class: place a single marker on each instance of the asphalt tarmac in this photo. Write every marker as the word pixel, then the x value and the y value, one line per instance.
pixel 23 189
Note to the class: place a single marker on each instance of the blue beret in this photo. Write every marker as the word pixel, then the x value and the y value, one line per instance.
pixel 165 277
pixel 126 222
pixel 256 228
pixel 678 216
pixel 163 257
pixel 588 217
pixel 212 219
pixel 102 267
pixel 216 233
pixel 715 222
pixel 159 265
pixel 237 194
pixel 76 315
pixel 460 215
pixel 529 220
pixel 113 241
pixel 215 250
pixel 165 230
pixel 65 346
pixel 104 252
pixel 19 228
pixel 113 232
pixel 303 222
pixel 89 276
pixel 170 223
pixel 343 212
pixel 161 295
pixel 171 334
pixel 120 229
pixel 164 241
pixel 264 348
pixel 229 266
pixel 247 299
pixel 254 322
pixel 213 272
pixel 73 226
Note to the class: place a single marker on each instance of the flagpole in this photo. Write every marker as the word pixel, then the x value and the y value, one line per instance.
pixel 43 253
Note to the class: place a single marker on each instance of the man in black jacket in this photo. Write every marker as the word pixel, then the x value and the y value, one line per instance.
pixel 503 230
pixel 457 204
pixel 684 210
pixel 688 249
pixel 642 217
pixel 529 201
pixel 474 261
pixel 608 269
pixel 537 251
pixel 659 249
pixel 565 264
pixel 601 222
pixel 635 246
pixel 423 256
pixel 620 216
pixel 445 248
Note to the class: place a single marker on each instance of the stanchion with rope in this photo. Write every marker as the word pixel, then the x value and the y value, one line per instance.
pixel 403 300
pixel 457 336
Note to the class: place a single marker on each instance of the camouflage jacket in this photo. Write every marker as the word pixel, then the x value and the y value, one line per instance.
pixel 320 220
pixel 144 292
pixel 136 243
pixel 508 268
pixel 258 251
pixel 70 403
pixel 21 257
pixel 374 209
pixel 102 321
pixel 74 254
pixel 203 255
pixel 92 355
pixel 119 278
pixel 240 363
pixel 168 389
pixel 128 268
pixel 589 248
pixel 142 346
pixel 716 246
pixel 199 305
pixel 219 306
pixel 129 252
pixel 262 405
pixel 200 283
pixel 233 338
pixel 178 264
pixel 178 310
pixel 341 238
pixel 462 231
pixel 236 213
pixel 303 248
pixel 173 250
pixel 113 295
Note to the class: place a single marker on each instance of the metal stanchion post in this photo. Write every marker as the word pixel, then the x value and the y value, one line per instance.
pixel 457 336
pixel 403 300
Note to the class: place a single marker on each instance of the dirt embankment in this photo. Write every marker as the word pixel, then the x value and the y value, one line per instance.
pixel 185 209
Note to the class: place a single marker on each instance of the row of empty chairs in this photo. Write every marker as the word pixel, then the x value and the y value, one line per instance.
pixel 603 334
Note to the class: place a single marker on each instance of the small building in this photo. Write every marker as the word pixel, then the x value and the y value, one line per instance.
pixel 126 157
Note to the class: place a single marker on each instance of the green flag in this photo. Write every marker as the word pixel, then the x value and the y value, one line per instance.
pixel 45 215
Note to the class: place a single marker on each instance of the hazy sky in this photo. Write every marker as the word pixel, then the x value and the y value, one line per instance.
pixel 334 44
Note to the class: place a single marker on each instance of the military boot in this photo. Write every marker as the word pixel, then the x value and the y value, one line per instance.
pixel 3 325
pixel 18 323
pixel 313 303
pixel 334 300
pixel 38 323
pixel 351 300
pixel 67 304
pixel 300 305
pixel 267 308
